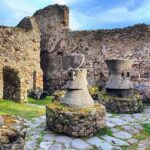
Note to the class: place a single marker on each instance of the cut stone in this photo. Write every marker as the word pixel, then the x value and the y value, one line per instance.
pixel 31 144
pixel 114 130
pixel 144 144
pixel 109 124
pixel 56 146
pixel 63 139
pixel 139 117
pixel 137 126
pixel 131 129
pixel 80 144
pixel 118 121
pixel 114 141
pixel 122 135
pixel 45 145
pixel 100 144
pixel 132 141
pixel 127 117
pixel 49 137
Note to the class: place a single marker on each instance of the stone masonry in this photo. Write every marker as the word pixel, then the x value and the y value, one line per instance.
pixel 19 60
pixel 57 40
pixel 46 36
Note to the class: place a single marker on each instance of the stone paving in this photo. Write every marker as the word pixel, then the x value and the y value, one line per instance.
pixel 123 127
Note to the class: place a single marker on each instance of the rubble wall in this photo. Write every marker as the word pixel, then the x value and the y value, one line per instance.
pixel 97 45
pixel 20 52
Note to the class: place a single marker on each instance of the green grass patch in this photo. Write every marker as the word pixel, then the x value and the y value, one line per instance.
pixel 44 102
pixel 18 109
pixel 105 131
pixel 40 139
pixel 146 127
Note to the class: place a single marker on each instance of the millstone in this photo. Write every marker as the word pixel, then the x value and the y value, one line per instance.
pixel 119 83
pixel 77 94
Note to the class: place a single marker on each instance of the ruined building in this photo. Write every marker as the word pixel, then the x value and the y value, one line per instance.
pixel 44 40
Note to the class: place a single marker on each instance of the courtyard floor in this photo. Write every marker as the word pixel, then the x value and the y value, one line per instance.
pixel 125 132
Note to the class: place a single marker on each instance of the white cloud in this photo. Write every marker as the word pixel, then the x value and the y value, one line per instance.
pixel 19 9
pixel 119 15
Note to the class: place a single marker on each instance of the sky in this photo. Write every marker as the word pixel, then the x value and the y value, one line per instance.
pixel 84 14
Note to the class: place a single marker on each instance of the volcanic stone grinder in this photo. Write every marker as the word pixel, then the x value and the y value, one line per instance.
pixel 119 83
pixel 120 96
pixel 77 94
pixel 76 115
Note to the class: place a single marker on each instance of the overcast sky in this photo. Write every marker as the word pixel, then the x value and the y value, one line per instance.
pixel 84 14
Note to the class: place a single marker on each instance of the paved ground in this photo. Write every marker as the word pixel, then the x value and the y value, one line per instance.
pixel 123 128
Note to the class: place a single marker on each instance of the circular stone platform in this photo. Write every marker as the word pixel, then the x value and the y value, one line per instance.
pixel 12 133
pixel 121 105
pixel 75 122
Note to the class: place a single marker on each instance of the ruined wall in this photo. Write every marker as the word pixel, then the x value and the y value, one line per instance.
pixel 53 22
pixel 20 52
pixel 46 38
pixel 57 40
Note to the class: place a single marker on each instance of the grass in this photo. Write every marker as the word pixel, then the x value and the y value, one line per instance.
pixel 146 127
pixel 44 102
pixel 105 131
pixel 18 109
pixel 40 139
pixel 58 106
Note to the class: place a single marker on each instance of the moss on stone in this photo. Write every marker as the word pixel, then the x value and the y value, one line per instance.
pixel 58 106
pixel 114 104
pixel 93 90
pixel 103 95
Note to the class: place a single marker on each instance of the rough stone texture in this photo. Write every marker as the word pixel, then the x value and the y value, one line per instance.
pixel 80 144
pixel 20 50
pixel 97 45
pixel 146 97
pixel 20 60
pixel 81 122
pixel 132 104
pixel 102 142
pixel 114 141
pixel 12 133
pixel 144 144
pixel 122 135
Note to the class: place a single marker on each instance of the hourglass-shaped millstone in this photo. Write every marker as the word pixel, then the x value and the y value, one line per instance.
pixel 77 94
pixel 119 83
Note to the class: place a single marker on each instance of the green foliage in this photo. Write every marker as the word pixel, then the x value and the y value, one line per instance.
pixel 94 148
pixel 93 90
pixel 19 109
pixel 44 102
pixel 146 127
pixel 40 139
pixel 58 106
pixel 105 131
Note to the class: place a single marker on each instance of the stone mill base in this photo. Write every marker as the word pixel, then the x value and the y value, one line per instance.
pixel 121 105
pixel 12 133
pixel 75 122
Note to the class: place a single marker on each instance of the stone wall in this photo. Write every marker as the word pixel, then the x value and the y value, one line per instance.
pixel 19 59
pixel 97 45
pixel 46 35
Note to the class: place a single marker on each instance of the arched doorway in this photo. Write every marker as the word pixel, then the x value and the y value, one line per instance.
pixel 11 84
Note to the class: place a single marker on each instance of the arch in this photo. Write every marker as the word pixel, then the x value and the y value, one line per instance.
pixel 11 84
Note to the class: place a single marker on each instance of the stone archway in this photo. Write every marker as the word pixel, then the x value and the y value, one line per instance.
pixel 11 84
